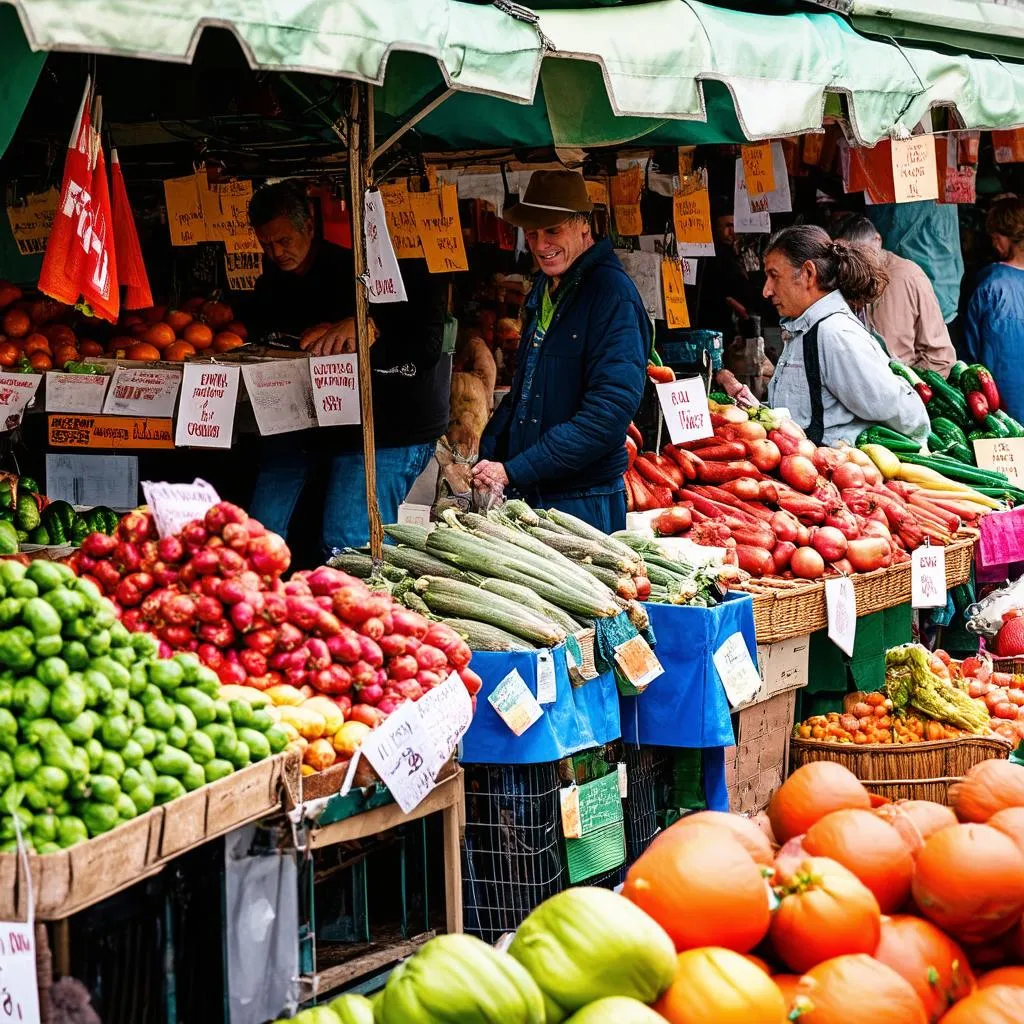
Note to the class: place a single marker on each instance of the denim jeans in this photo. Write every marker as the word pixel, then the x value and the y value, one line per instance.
pixel 284 470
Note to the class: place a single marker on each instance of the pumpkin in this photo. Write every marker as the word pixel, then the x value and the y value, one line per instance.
pixel 824 912
pixel 928 959
pixel 703 888
pixel 988 787
pixel 810 793
pixel 856 989
pixel 789 986
pixel 868 847
pixel 917 820
pixel 1012 976
pixel 753 839
pixel 1010 821
pixel 714 984
pixel 1000 1004
pixel 969 880
pixel 761 965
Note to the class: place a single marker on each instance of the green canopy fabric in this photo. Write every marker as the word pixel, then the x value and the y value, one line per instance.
pixel 21 69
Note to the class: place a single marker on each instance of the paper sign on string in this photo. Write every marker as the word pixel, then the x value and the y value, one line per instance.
pixel 440 230
pixel 174 505
pixel 645 270
pixel 226 213
pixel 242 270
pixel 736 669
pixel 547 687
pixel 142 391
pixel 16 391
pixel 401 221
pixel 184 204
pixel 1004 455
pixel 676 313
pixel 515 704
pixel 335 381
pixel 19 983
pixel 93 479
pixel 597 192
pixel 75 392
pixel 689 270
pixel 31 222
pixel 684 404
pixel 779 199
pixel 384 280
pixel 446 712
pixel 569 800
pixel 928 576
pixel 914 173
pixel 412 514
pixel 841 606
pixel 206 413
pixel 684 160
pixel 750 213
pixel 758 168
pixel 281 394
pixel 691 210
pixel 403 754
pixel 637 662
pixel 626 189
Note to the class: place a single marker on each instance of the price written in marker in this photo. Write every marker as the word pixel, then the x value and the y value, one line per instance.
pixel 335 389
pixel 19 992
pixel 841 605
pixel 638 662
pixel 174 505
pixel 547 687
pixel 684 404
pixel 736 669
pixel 928 576
pixel 514 703
pixel 404 755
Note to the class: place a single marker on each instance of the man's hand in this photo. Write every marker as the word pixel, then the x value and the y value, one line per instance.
pixel 739 393
pixel 490 476
pixel 337 339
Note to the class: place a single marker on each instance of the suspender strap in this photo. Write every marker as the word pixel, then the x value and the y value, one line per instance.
pixel 812 369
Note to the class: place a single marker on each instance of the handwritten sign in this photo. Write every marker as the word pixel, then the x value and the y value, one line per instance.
pixel 780 200
pixel 645 270
pixel 841 606
pixel 691 213
pixel 547 685
pixel 750 213
pixel 281 394
pixel 440 230
pixel 75 392
pixel 142 391
pixel 928 576
pixel 16 391
pixel 226 213
pixel 736 669
pixel 758 168
pixel 31 221
pixel 206 413
pixel 446 711
pixel 514 703
pixel 684 159
pixel 402 751
pixel 184 203
pixel 569 803
pixel 19 986
pixel 628 220
pixel 66 430
pixel 174 505
pixel 914 174
pixel 384 279
pixel 637 662
pixel 1004 455
pixel 335 381
pixel 676 313
pixel 684 404
pixel 405 235
pixel 597 192
pixel 626 188
pixel 242 269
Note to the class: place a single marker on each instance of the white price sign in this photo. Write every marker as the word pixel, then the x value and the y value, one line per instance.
pixel 928 576
pixel 137 391
pixel 174 505
pixel 281 395
pixel 335 382
pixel 75 392
pixel 206 414
pixel 19 987
pixel 547 686
pixel 446 711
pixel 684 404
pixel 404 754
pixel 16 391
pixel 737 671
pixel 384 279
pixel 841 606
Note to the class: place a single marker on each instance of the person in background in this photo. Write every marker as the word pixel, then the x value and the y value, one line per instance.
pixel 906 314
pixel 833 376
pixel 558 438
pixel 994 325
pixel 308 283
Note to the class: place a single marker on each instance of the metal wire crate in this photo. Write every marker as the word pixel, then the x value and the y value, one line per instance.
pixel 646 796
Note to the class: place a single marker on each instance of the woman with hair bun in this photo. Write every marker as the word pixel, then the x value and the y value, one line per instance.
pixel 833 376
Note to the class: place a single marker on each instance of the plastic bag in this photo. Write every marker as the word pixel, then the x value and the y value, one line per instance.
pixel 985 617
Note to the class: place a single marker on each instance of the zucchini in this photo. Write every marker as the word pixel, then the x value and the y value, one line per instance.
pixel 404 533
pixel 419 563
pixel 488 557
pixel 1003 493
pixel 579 549
pixel 583 529
pixel 893 440
pixel 947 394
pixel 568 598
pixel 415 603
pixel 530 599
pixel 953 470
pixel 955 372
pixel 901 370
pixel 482 637
pixel 1014 428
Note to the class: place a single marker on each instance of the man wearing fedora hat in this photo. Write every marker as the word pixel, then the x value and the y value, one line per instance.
pixel 558 438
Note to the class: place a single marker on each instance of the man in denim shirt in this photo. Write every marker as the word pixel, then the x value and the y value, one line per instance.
pixel 558 439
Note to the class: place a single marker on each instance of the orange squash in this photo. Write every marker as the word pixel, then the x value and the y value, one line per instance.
pixel 703 888
pixel 858 990
pixel 988 787
pixel 1000 1004
pixel 789 986
pixel 1012 976
pixel 810 793
pixel 713 984
pixel 916 820
pixel 753 839
pixel 1010 821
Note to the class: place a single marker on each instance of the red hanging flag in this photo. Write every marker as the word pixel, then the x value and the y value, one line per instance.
pixel 131 270
pixel 99 271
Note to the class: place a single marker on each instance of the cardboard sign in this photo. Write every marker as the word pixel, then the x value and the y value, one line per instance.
pixel 928 576
pixel 569 802
pixel 75 392
pixel 637 662
pixel 335 381
pixel 281 395
pixel 226 212
pixel 440 230
pixel 16 391
pixel 691 213
pixel 736 669
pixel 184 210
pixel 384 279
pixel 628 220
pixel 403 754
pixel 405 235
pixel 66 430
pixel 684 160
pixel 750 213
pixel 140 391
pixel 19 985
pixel 206 413
pixel 446 711
pixel 31 222
pixel 1004 455
pixel 758 168
pixel 514 703
pixel 841 606
pixel 174 505
pixel 676 313
pixel 913 169
pixel 93 479
pixel 242 270
pixel 684 404
pixel 598 193
pixel 547 686
pixel 626 188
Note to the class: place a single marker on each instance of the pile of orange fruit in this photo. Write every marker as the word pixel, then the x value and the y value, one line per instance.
pixel 29 332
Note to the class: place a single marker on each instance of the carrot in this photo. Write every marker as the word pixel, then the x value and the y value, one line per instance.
pixel 653 473
pixel 720 472
pixel 724 451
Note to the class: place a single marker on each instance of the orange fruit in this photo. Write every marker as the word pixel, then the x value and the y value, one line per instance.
pixel 199 336
pixel 59 334
pixel 8 353
pixel 41 361
pixel 16 323
pixel 177 320
pixel 226 341
pixel 90 348
pixel 217 314
pixel 237 327
pixel 8 293
pixel 36 343
pixel 178 352
pixel 122 342
pixel 143 352
pixel 159 335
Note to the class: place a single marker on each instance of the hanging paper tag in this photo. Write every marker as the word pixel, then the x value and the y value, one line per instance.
pixel 142 391
pixel 841 605
pixel 515 704
pixel 638 662
pixel 404 754
pixel 16 391
pixel 281 394
pixel 385 279
pixel 758 169
pixel 569 798
pixel 446 711
pixel 736 669
pixel 335 389
pixel 684 404
pixel 75 392
pixel 547 691
pixel 914 174
pixel 928 576
pixel 623 780
pixel 676 313
pixel 206 412
pixel 19 985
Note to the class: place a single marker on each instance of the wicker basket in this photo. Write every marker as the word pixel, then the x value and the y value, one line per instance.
pixel 1014 665
pixel 914 771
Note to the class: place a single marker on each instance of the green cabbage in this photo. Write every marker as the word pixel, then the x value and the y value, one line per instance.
pixel 457 979
pixel 616 1010
pixel 585 944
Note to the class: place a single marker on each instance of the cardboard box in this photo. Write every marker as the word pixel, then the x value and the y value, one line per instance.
pixel 757 765
pixel 783 666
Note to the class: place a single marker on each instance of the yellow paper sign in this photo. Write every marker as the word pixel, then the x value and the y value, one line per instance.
pixel 405 236
pixel 597 191
pixel 627 186
pixel 440 230
pixel 676 313
pixel 185 210
pixel 914 174
pixel 226 212
pixel 757 168
pixel 242 269
pixel 569 798
pixel 628 220
pixel 30 223
pixel 686 160
pixel 691 213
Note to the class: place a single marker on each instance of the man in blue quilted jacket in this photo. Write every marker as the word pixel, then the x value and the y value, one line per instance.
pixel 558 438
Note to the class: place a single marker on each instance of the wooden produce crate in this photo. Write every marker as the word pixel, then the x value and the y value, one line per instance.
pixel 756 766
pixel 912 771
pixel 67 882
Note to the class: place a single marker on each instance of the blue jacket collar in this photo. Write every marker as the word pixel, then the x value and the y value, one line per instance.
pixel 817 311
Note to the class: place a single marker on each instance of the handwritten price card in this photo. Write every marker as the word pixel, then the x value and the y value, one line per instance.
pixel 676 313
pixel 384 279
pixel 335 389
pixel 914 173
pixel 16 391
pixel 184 210
pixel 31 222
pixel 403 753
pixel 1004 455
pixel 281 395
pixel 758 168
pixel 174 505
pixel 841 606
pixel 627 187
pixel 206 414
pixel 226 211
pixel 684 404
pixel 446 711
pixel 440 230
pixel 19 987
pixel 515 703
pixel 405 235
pixel 691 210
pixel 138 391
pixel 242 269
pixel 75 392
pixel 928 576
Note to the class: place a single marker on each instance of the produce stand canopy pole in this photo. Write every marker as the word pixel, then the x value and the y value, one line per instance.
pixel 427 108
pixel 360 138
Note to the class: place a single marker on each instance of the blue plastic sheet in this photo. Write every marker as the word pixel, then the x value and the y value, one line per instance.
pixel 580 717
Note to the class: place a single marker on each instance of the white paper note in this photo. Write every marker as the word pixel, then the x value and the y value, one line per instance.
pixel 384 280
pixel 75 392
pixel 737 671
pixel 281 395
pixel 515 704
pixel 645 270
pixel 174 505
pixel 446 711
pixel 16 391
pixel 750 214
pixel 138 391
pixel 335 382
pixel 403 754
pixel 206 413
pixel 841 605
pixel 547 687
pixel 684 404
pixel 928 576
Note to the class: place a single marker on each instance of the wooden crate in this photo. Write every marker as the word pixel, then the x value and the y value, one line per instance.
pixel 756 766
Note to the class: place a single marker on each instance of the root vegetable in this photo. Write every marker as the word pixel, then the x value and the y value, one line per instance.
pixel 807 564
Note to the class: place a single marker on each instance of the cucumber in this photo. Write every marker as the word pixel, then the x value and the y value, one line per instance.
pixel 957 471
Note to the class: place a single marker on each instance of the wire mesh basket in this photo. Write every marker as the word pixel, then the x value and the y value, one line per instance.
pixel 646 796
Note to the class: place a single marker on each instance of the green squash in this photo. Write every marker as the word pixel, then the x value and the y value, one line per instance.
pixel 616 1010
pixel 586 944
pixel 352 1009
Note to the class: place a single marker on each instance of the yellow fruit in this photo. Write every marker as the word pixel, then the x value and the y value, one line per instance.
pixel 349 736
pixel 333 715
pixel 285 694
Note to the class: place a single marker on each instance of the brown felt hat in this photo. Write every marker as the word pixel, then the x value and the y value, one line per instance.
pixel 550 198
